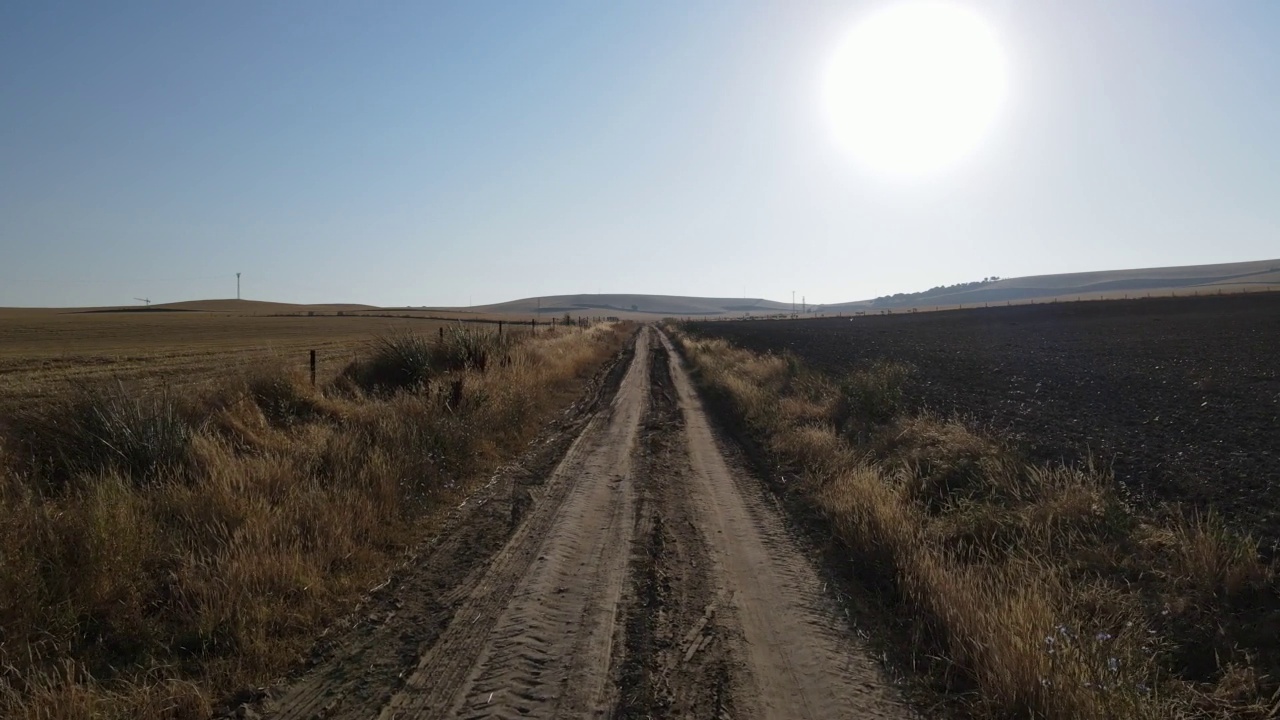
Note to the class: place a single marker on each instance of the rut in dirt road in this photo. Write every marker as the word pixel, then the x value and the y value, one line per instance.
pixel 535 637
pixel 643 577
pixel 675 660
pixel 791 655
pixel 775 645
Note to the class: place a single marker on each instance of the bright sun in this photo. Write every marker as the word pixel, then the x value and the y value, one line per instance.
pixel 913 88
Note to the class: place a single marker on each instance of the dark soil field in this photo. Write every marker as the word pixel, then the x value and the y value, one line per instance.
pixel 1180 396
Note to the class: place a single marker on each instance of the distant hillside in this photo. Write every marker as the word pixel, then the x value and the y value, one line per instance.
pixel 640 305
pixel 257 307
pixel 1228 277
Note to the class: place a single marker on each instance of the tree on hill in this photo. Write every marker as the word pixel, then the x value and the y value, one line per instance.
pixel 906 298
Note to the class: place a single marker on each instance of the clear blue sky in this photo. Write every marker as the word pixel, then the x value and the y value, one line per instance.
pixel 432 154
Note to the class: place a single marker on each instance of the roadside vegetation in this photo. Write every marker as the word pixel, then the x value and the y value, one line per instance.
pixel 160 550
pixel 1017 589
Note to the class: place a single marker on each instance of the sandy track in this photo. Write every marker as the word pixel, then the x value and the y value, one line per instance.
pixel 796 659
pixel 675 660
pixel 535 637
pixel 644 577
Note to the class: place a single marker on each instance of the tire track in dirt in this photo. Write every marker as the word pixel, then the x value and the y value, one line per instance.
pixel 364 661
pixel 793 657
pixel 674 661
pixel 534 637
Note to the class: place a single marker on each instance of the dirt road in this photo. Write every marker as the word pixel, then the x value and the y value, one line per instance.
pixel 641 575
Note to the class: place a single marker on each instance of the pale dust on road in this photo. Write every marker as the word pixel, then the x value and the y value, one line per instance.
pixel 645 577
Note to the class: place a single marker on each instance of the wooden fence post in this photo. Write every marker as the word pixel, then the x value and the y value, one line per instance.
pixel 313 368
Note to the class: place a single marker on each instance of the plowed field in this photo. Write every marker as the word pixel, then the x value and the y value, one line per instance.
pixel 1180 396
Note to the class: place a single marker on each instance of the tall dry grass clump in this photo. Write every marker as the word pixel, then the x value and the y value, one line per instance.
pixel 407 359
pixel 95 429
pixel 1030 590
pixel 159 551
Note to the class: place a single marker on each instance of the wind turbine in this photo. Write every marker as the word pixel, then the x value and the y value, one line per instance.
pixel 144 300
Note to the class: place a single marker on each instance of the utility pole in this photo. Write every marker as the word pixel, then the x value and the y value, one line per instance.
pixel 793 302
pixel 237 286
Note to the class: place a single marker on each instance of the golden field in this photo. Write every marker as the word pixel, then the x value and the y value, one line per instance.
pixel 44 352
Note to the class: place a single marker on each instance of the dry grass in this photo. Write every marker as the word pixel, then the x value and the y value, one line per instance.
pixel 1032 591
pixel 44 352
pixel 158 551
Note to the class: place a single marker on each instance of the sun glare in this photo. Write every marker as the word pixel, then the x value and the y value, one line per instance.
pixel 914 88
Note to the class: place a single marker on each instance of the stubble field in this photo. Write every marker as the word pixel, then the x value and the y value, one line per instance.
pixel 43 353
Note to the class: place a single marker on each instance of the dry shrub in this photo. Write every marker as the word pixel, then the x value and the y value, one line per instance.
pixel 408 361
pixel 872 519
pixel 1211 560
pixel 241 422
pixel 68 692
pixel 397 362
pixel 947 461
pixel 143 435
pixel 285 397
pixel 816 450
pixel 464 348
pixel 870 396
pixel 803 411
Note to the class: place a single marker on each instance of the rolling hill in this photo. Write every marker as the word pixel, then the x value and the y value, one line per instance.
pixel 1226 277
pixel 258 307
pixel 631 305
